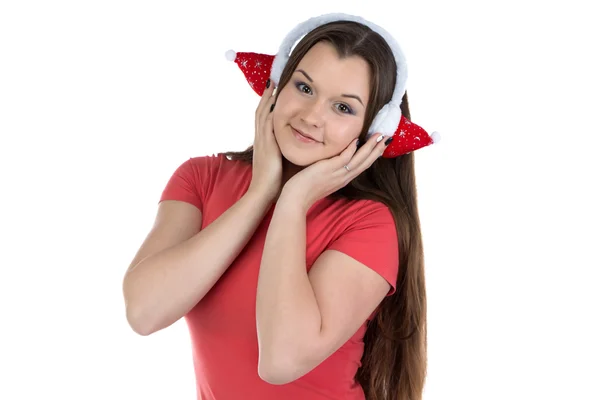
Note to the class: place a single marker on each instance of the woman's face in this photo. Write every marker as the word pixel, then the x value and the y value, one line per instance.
pixel 321 110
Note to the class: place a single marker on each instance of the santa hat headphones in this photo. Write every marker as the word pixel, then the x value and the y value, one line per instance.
pixel 389 121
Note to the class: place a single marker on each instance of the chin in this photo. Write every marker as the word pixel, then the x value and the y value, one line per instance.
pixel 298 157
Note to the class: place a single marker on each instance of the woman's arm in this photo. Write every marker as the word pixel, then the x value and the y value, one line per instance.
pixel 178 264
pixel 302 318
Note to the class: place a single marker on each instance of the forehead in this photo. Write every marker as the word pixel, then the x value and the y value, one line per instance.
pixel 349 74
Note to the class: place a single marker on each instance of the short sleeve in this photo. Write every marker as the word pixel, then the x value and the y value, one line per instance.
pixel 371 239
pixel 191 181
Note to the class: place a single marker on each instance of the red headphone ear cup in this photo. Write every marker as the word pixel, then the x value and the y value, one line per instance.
pixel 256 67
pixel 407 138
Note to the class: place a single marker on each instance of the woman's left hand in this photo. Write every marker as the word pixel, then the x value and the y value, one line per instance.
pixel 327 176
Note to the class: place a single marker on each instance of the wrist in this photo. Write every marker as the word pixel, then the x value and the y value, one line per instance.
pixel 260 197
pixel 293 202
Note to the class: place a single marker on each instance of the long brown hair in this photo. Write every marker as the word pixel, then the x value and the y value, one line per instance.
pixel 394 362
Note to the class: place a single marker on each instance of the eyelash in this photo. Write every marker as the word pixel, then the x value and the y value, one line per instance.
pixel 299 86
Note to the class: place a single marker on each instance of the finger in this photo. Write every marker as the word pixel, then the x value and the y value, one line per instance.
pixel 346 156
pixel 267 112
pixel 376 152
pixel 263 108
pixel 363 153
pixel 267 125
pixel 265 119
pixel 267 99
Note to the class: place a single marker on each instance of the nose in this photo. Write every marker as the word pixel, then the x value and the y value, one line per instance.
pixel 314 114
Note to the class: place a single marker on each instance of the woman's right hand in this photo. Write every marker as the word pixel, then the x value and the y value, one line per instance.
pixel 266 164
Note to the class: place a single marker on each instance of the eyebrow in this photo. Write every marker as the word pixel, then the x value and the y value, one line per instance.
pixel 343 95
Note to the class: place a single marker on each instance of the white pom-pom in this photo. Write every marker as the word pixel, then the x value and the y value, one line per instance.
pixel 436 137
pixel 230 55
pixel 387 119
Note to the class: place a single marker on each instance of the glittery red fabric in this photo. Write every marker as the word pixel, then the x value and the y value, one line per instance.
pixel 256 68
pixel 408 137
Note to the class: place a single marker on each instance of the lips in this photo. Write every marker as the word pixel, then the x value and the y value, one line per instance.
pixel 299 132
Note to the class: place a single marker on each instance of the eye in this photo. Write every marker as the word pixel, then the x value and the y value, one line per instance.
pixel 344 108
pixel 303 87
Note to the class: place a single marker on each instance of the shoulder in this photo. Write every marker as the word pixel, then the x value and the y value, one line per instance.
pixel 366 224
pixel 367 232
pixel 372 210
pixel 216 164
pixel 196 178
pixel 372 220
pixel 351 213
pixel 208 160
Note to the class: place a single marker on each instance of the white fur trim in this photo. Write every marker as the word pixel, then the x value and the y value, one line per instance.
pixel 230 55
pixel 388 118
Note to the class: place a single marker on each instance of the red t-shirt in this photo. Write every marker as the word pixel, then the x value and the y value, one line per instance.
pixel 223 324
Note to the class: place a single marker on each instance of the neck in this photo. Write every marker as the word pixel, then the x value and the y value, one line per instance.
pixel 288 170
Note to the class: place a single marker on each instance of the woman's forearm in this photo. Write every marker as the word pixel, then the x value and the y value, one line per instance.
pixel 165 286
pixel 287 313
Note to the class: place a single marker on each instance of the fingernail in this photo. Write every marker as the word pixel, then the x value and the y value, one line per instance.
pixel 268 83
pixel 387 142
pixel 272 107
pixel 380 138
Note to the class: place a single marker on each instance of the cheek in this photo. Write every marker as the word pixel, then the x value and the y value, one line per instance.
pixel 279 119
pixel 284 102
pixel 342 131
pixel 284 110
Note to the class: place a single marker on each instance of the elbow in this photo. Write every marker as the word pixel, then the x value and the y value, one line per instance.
pixel 274 375
pixel 279 369
pixel 138 322
pixel 135 313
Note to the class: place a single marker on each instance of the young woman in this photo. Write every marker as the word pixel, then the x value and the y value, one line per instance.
pixel 298 263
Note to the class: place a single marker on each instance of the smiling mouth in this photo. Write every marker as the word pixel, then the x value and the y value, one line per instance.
pixel 302 137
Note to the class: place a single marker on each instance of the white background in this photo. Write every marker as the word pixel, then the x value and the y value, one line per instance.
pixel 100 101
